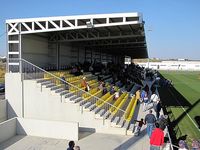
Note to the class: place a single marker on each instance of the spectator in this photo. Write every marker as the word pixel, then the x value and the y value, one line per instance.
pixel 71 145
pixel 101 85
pixel 112 90
pixel 139 126
pixel 84 84
pixel 182 145
pixel 145 100
pixel 162 121
pixel 154 98
pixel 104 90
pixel 157 108
pixel 150 120
pixel 77 148
pixel 195 145
pixel 143 93
pixel 63 81
pixel 116 95
pixel 157 138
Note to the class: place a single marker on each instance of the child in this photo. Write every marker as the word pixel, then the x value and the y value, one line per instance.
pixel 139 126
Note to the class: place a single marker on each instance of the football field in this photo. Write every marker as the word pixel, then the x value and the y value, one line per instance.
pixel 182 102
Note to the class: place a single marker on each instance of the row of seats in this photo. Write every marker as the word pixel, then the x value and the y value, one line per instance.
pixel 119 103
pixel 94 91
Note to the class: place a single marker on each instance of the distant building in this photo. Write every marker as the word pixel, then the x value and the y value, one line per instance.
pixel 179 64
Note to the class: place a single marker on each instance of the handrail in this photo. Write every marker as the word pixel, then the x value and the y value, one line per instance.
pixel 111 105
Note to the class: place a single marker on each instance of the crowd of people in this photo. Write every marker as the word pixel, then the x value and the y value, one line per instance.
pixel 129 75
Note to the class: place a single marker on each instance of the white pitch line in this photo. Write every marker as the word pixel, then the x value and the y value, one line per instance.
pixel 184 111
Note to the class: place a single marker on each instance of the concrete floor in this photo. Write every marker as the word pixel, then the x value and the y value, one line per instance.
pixel 95 141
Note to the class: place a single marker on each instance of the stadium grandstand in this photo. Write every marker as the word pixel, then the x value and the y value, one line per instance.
pixel 71 75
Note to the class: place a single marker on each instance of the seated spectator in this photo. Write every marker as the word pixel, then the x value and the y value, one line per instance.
pixel 112 90
pixel 101 85
pixel 84 84
pixel 104 90
pixel 116 95
pixel 71 145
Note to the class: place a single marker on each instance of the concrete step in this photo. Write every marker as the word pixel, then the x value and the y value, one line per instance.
pixel 46 82
pixel 131 129
pixel 96 110
pixel 82 102
pixel 64 92
pixel 100 114
pixel 49 85
pixel 59 90
pixel 68 95
pixel 111 117
pixel 92 107
pixel 87 104
pixel 126 124
pixel 120 123
pixel 41 80
pixel 55 87
pixel 72 98
pixel 115 121
pixel 78 99
pixel 107 114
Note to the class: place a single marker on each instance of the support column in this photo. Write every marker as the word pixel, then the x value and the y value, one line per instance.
pixel 57 55
pixel 14 50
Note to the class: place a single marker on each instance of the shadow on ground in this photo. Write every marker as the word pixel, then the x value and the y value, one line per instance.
pixel 170 98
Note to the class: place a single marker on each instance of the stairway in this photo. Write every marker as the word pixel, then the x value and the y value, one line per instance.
pixel 112 123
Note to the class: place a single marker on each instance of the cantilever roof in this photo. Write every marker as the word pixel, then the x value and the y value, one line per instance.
pixel 110 32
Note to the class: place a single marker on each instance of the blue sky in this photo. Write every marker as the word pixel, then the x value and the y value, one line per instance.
pixel 175 24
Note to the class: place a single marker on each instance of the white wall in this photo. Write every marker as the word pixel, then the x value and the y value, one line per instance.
pixel 50 129
pixel 65 54
pixel 3 110
pixel 35 49
pixel 7 129
pixel 46 105
pixel 13 93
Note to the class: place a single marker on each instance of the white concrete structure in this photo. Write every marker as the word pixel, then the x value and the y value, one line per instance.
pixel 44 104
pixel 173 65
pixel 40 128
pixel 3 110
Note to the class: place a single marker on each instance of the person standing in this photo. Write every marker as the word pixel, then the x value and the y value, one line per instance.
pixel 139 126
pixel 146 101
pixel 157 138
pixel 71 145
pixel 157 108
pixel 150 120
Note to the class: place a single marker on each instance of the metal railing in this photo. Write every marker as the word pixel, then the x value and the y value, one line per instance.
pixel 31 71
pixel 167 130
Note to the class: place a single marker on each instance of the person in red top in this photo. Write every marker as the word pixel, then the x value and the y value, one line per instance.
pixel 157 138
